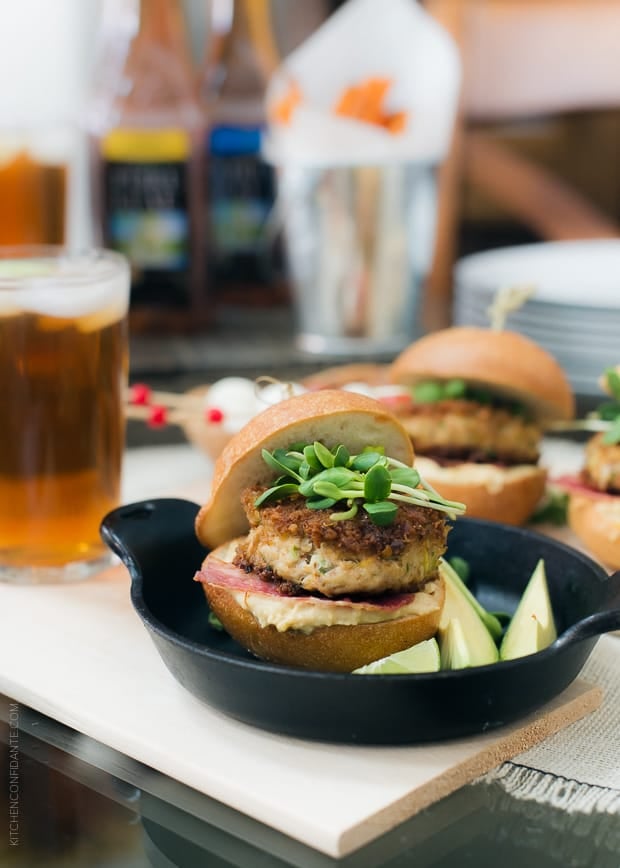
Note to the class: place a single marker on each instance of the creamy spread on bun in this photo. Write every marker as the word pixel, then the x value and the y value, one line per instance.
pixel 269 606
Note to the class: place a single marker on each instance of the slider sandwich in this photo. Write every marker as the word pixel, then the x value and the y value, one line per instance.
pixel 325 542
pixel 480 401
pixel 594 495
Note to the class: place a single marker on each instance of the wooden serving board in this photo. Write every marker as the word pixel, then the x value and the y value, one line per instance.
pixel 80 654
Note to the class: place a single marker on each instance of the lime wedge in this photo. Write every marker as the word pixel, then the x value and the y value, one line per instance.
pixel 423 657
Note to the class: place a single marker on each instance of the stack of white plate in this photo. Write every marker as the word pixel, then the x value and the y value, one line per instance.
pixel 574 311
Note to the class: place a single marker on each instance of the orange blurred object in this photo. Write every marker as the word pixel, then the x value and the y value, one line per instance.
pixel 282 111
pixel 373 93
pixel 32 201
pixel 395 123
pixel 349 103
pixel 364 102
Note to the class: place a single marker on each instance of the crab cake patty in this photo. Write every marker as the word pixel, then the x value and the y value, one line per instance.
pixel 305 550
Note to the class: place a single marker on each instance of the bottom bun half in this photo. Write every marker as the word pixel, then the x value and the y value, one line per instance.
pixel 314 632
pixel 596 521
pixel 505 494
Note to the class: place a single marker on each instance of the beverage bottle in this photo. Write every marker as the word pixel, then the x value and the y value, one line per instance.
pixel 147 131
pixel 242 255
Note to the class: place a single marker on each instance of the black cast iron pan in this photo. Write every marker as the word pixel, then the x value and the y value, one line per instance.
pixel 156 541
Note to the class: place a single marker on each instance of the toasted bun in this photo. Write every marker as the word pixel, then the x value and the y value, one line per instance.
pixel 340 375
pixel 335 648
pixel 331 416
pixel 505 494
pixel 596 521
pixel 509 363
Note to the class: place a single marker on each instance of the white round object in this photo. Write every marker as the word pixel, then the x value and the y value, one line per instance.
pixel 273 393
pixel 241 399
pixel 574 311
pixel 579 273
pixel 236 398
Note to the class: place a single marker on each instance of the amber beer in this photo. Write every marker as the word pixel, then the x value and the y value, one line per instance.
pixel 63 365
pixel 32 200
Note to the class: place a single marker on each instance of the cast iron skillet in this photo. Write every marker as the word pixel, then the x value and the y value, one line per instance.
pixel 155 539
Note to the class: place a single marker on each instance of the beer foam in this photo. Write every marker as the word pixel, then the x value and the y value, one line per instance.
pixel 7 307
pixel 81 287
pixel 10 148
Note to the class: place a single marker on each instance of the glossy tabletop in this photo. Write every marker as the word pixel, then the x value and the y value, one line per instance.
pixel 81 804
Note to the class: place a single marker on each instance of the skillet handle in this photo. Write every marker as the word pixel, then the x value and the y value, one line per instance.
pixel 154 535
pixel 600 622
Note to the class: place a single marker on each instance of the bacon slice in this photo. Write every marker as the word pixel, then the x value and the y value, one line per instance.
pixel 398 404
pixel 575 485
pixel 225 575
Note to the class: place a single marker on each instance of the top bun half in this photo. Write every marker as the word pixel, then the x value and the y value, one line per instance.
pixel 511 364
pixel 330 416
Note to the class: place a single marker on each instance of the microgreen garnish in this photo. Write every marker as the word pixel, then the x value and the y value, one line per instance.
pixel 611 437
pixel 609 411
pixel 612 378
pixel 428 393
pixel 381 513
pixel 276 493
pixel 432 391
pixel 553 509
pixel 605 418
pixel 455 388
pixel 371 480
pixel 283 462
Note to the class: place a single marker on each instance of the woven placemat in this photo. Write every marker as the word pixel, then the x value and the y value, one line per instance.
pixel 579 770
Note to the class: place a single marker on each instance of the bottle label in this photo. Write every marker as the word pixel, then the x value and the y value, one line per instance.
pixel 146 196
pixel 239 225
pixel 241 192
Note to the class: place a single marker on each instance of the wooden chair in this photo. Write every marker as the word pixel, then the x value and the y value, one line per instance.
pixel 521 59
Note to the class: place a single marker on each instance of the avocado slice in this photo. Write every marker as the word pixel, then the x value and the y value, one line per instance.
pixel 532 627
pixel 492 623
pixel 470 640
pixel 454 648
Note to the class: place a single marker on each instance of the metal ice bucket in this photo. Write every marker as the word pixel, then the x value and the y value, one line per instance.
pixel 359 241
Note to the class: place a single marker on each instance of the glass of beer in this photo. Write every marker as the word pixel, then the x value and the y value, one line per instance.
pixel 63 370
pixel 37 164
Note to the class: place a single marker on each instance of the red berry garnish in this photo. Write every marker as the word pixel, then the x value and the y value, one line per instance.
pixel 214 415
pixel 139 394
pixel 158 416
